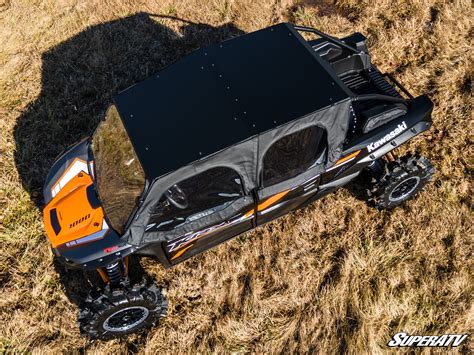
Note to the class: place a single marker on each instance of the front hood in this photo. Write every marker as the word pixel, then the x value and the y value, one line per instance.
pixel 73 214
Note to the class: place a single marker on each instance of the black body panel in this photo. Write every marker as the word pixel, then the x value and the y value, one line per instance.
pixel 175 251
pixel 211 239
pixel 221 95
pixel 96 254
pixel 420 109
pixel 75 151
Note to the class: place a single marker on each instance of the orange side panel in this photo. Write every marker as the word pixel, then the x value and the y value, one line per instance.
pixel 76 217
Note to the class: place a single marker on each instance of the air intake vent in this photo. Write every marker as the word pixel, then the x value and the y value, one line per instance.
pixel 53 216
pixel 79 221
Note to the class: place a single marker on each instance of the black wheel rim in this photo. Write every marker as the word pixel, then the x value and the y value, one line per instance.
pixel 404 189
pixel 126 319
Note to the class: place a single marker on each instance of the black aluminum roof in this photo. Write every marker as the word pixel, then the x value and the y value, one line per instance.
pixel 223 94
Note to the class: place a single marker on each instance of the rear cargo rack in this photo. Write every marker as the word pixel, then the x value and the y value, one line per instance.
pixel 353 81
pixel 397 83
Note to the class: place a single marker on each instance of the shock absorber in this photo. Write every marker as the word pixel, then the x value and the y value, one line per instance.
pixel 115 272
pixel 391 156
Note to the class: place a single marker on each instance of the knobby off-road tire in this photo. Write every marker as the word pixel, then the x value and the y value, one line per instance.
pixel 122 311
pixel 399 181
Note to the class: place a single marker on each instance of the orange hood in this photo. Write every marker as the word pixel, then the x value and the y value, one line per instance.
pixel 69 215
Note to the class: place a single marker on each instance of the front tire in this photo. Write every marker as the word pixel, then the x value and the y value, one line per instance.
pixel 399 181
pixel 122 311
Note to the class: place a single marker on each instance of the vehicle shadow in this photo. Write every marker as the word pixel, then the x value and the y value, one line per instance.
pixel 78 79
pixel 80 76
pixel 358 187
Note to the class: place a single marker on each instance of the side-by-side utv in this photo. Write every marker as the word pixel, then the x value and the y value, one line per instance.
pixel 224 140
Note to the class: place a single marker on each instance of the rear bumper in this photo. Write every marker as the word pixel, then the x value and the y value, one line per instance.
pixel 417 120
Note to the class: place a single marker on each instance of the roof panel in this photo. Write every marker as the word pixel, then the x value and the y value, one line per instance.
pixel 221 95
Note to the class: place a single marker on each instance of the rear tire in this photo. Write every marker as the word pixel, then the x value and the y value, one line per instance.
pixel 398 181
pixel 122 311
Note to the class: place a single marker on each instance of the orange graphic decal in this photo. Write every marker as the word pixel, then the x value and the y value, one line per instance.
pixel 348 157
pixel 181 252
pixel 272 200
pixel 249 213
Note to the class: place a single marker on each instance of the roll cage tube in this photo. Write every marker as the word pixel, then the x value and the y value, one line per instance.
pixel 380 98
pixel 328 37
pixel 354 50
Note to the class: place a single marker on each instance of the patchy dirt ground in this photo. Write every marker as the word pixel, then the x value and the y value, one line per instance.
pixel 335 276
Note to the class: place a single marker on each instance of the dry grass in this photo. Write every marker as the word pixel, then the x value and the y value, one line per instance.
pixel 335 276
